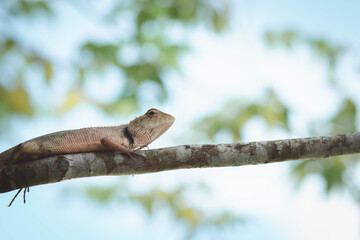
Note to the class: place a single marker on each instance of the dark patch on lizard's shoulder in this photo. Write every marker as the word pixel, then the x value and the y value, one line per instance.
pixel 126 133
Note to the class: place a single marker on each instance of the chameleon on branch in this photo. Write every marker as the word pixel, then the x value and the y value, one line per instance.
pixel 127 139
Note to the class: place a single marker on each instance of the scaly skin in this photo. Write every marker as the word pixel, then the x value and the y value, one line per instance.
pixel 124 138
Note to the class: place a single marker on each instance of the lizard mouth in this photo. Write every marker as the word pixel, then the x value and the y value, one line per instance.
pixel 171 121
pixel 165 125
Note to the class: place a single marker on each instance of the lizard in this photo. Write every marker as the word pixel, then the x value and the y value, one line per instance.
pixel 126 138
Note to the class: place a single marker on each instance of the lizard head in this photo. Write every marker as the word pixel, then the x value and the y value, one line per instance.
pixel 148 127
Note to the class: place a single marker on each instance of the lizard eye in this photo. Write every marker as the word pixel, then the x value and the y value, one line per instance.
pixel 151 113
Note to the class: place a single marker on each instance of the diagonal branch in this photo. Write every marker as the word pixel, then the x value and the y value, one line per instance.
pixel 64 167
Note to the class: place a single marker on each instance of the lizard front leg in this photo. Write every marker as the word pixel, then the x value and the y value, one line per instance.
pixel 115 144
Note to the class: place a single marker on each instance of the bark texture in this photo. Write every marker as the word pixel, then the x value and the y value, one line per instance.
pixel 65 167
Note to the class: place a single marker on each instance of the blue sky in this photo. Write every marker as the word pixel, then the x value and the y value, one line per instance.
pixel 235 64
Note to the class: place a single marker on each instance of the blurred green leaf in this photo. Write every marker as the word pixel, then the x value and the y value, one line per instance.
pixel 159 53
pixel 323 48
pixel 332 170
pixel 146 201
pixel 142 17
pixel 333 173
pixel 302 168
pixel 233 115
pixel 30 7
pixel 124 105
pixel 101 54
pixel 192 217
pixel 345 120
pixel 143 72
pixel 219 20
pixel 286 38
pixel 102 195
pixel 73 98
pixel 168 57
pixel 226 218
pixel 330 52
pixel 6 45
pixel 15 102
pixel 48 71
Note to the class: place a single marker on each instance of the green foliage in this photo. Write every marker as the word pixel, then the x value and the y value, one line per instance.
pixel 125 105
pixel 15 61
pixel 334 171
pixel 14 101
pixel 288 38
pixel 154 53
pixel 157 51
pixel 102 195
pixel 185 11
pixel 325 50
pixel 345 120
pixel 30 8
pixel 48 71
pixel 101 54
pixel 191 217
pixel 232 117
pixel 235 114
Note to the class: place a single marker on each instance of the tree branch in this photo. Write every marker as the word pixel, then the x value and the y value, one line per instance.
pixel 64 167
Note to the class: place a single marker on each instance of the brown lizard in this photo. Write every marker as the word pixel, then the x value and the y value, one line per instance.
pixel 127 139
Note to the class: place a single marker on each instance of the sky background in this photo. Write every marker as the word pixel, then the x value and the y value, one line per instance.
pixel 236 64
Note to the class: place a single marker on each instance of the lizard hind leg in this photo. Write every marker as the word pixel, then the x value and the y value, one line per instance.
pixel 12 156
pixel 21 152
